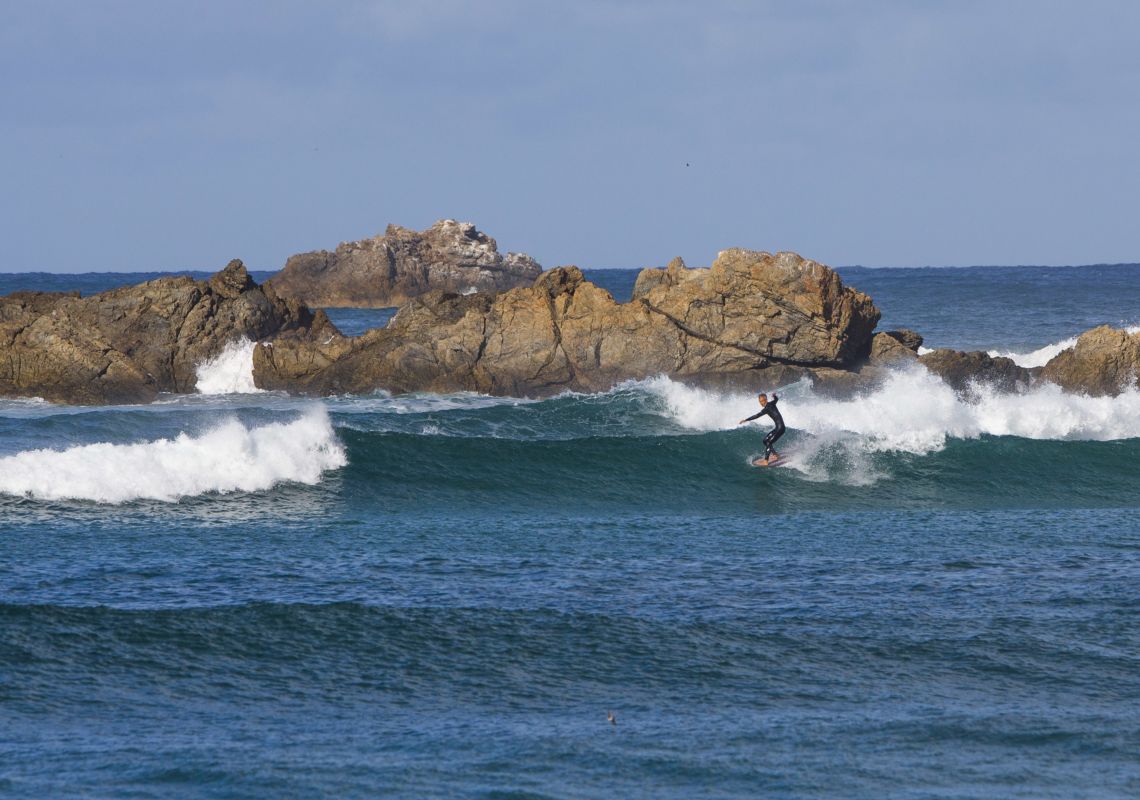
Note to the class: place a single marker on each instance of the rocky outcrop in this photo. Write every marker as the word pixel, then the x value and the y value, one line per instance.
pixel 750 321
pixel 1104 361
pixel 895 347
pixel 963 371
pixel 750 317
pixel 391 269
pixel 129 344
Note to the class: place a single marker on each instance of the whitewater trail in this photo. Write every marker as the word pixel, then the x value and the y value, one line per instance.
pixel 231 457
pixel 913 412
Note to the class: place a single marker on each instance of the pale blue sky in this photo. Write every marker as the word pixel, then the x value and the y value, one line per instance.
pixel 141 134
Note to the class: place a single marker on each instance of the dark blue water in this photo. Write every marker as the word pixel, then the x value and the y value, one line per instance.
pixel 257 596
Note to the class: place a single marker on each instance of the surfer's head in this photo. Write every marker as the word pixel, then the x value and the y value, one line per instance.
pixel 763 398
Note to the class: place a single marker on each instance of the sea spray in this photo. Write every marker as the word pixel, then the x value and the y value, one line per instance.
pixel 1043 355
pixel 229 372
pixel 1035 358
pixel 914 411
pixel 230 457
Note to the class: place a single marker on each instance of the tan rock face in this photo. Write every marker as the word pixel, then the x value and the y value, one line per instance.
pixel 1104 361
pixel 747 313
pixel 895 347
pixel 887 350
pixel 129 344
pixel 391 269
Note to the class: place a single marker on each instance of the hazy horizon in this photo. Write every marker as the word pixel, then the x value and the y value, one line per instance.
pixel 271 270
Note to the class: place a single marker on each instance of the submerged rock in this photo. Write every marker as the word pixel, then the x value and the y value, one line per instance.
pixel 391 269
pixel 964 370
pixel 1104 361
pixel 127 345
pixel 751 317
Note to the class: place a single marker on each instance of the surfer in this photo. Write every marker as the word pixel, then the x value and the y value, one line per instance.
pixel 768 407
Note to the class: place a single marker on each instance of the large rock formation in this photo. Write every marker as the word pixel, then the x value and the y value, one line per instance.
pixel 751 317
pixel 129 344
pixel 391 269
pixel 1104 361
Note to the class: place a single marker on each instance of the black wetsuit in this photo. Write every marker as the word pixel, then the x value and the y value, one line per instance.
pixel 774 434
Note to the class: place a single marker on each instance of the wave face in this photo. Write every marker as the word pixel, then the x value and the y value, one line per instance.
pixel 647 444
pixel 229 457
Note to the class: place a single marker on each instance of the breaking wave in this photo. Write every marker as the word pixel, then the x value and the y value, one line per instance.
pixel 913 412
pixel 1036 358
pixel 1043 355
pixel 230 457
pixel 229 372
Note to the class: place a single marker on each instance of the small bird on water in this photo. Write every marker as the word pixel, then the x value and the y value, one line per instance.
pixel 611 717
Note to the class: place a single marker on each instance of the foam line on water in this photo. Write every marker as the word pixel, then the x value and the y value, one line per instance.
pixel 231 457
pixel 420 403
pixel 229 372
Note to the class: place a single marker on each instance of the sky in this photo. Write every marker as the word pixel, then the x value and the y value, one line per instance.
pixel 142 135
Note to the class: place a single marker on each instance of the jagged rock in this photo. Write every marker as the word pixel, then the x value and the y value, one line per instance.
pixel 907 338
pixel 1104 361
pixel 962 370
pixel 391 269
pixel 748 313
pixel 891 348
pixel 129 344
pixel 650 279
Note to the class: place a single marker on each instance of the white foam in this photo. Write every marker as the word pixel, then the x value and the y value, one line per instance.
pixel 1043 355
pixel 1036 358
pixel 229 372
pixel 913 411
pixel 231 457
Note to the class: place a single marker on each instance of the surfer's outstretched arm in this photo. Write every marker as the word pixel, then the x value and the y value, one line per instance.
pixel 757 415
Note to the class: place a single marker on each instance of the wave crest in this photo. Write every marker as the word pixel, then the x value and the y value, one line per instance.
pixel 230 457
pixel 914 411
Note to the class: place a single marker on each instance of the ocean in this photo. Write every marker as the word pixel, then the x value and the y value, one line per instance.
pixel 242 594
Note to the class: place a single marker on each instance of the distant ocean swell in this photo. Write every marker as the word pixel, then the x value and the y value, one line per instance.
pixel 651 442
pixel 351 649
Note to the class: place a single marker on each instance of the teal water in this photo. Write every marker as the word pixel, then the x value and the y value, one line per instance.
pixel 258 596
